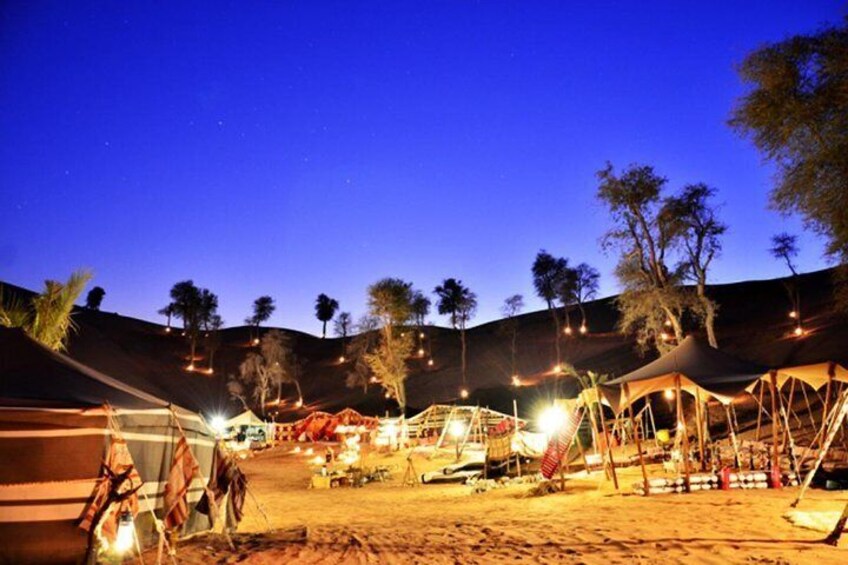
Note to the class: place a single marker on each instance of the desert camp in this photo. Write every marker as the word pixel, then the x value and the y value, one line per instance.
pixel 390 283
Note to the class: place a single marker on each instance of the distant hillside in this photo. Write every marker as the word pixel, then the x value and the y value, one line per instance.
pixel 752 323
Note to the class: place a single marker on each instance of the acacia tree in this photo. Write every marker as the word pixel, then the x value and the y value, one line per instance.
pixel 94 298
pixel 460 304
pixel 511 308
pixel 652 296
pixel 47 317
pixel 585 283
pixel 325 309
pixel 390 302
pixel 796 114
pixel 366 339
pixel 699 231
pixel 260 372
pixel 263 307
pixel 549 277
pixel 342 326
pixel 784 247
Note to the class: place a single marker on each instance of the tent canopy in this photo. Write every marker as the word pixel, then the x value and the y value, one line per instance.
pixel 703 370
pixel 246 418
pixel 35 376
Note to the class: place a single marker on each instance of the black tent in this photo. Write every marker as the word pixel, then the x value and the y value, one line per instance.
pixel 54 434
pixel 703 370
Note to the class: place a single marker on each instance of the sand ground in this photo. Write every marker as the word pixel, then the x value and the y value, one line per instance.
pixel 435 524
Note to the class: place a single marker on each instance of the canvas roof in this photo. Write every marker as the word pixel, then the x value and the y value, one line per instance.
pixel 704 371
pixel 246 418
pixel 34 376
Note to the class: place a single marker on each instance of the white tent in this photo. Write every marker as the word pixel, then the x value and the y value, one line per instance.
pixel 246 418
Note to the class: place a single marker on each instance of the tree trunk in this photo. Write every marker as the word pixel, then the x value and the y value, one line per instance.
pixel 462 339
pixel 324 330
pixel 709 315
pixel 514 337
pixel 556 337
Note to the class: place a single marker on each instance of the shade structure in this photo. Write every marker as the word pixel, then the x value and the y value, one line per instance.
pixel 55 432
pixel 703 370
pixel 815 375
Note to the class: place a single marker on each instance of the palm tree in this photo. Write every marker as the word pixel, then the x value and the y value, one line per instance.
pixel 325 309
pixel 47 317
pixel 458 302
pixel 167 311
pixel 549 274
pixel 263 307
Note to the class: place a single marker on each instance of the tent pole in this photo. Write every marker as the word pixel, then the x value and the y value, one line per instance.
pixel 809 408
pixel 681 427
pixel 787 435
pixel 700 423
pixel 775 457
pixel 638 442
pixel 839 412
pixel 760 411
pixel 515 415
pixel 790 402
pixel 606 438
pixel 831 369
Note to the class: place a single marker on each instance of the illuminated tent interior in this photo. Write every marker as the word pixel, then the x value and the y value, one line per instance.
pixel 54 434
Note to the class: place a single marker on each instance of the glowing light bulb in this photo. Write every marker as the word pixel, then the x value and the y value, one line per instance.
pixel 374 380
pixel 299 403
pixel 567 330
pixel 793 314
pixel 168 330
pixel 799 331
pixel 583 329
pixel 256 341
pixel 190 367
pixel 668 323
pixel 668 394
pixel 516 380
pixel 342 359
pixel 463 393
pixel 421 335
pixel 210 371
pixel 388 395
pixel 125 538
pixel 663 336
pixel 430 362
pixel 551 420
pixel 457 428
pixel 421 352
pixel 557 368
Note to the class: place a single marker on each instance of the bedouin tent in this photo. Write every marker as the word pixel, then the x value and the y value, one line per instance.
pixel 54 434
pixel 695 367
pixel 703 370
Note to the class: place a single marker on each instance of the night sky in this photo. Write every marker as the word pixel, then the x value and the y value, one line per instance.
pixel 296 148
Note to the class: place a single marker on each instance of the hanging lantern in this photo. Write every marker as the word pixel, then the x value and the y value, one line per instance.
pixel 125 539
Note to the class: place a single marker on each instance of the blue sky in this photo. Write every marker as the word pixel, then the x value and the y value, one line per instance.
pixel 294 148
